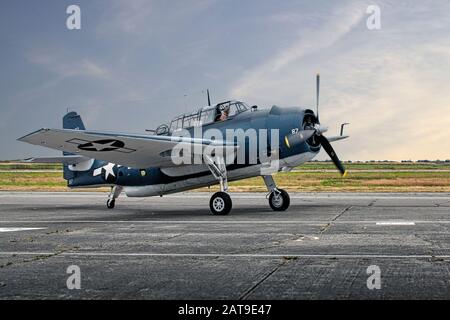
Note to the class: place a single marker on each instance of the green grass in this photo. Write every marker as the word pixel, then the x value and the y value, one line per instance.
pixel 31 179
pixel 391 181
pixel 376 166
pixel 30 166
pixel 355 181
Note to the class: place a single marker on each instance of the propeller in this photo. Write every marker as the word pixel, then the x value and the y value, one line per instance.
pixel 317 133
pixel 317 95
pixel 330 151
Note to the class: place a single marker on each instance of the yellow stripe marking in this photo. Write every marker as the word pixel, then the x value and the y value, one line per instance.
pixel 286 141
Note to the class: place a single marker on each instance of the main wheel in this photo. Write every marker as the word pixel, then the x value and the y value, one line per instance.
pixel 279 201
pixel 110 203
pixel 220 203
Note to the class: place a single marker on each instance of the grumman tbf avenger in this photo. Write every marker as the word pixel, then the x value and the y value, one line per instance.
pixel 154 164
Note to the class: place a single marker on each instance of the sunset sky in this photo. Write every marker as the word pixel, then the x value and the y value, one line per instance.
pixel 136 64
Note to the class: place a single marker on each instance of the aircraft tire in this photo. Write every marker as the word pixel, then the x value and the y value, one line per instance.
pixel 110 203
pixel 280 203
pixel 220 203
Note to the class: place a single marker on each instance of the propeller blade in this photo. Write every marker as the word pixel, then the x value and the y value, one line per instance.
pixel 317 95
pixel 299 137
pixel 330 151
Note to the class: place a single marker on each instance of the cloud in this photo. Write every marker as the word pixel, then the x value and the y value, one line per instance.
pixel 391 84
pixel 125 17
pixel 310 41
pixel 65 66
pixel 144 18
pixel 402 108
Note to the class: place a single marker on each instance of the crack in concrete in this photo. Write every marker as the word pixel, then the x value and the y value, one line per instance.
pixel 32 239
pixel 58 231
pixel 434 251
pixel 286 260
pixel 39 257
pixel 442 203
pixel 162 240
pixel 279 243
pixel 324 228
pixel 341 213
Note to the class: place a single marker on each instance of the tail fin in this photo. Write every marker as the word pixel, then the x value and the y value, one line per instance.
pixel 79 171
pixel 71 120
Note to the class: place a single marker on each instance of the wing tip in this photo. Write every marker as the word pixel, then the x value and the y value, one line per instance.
pixel 24 138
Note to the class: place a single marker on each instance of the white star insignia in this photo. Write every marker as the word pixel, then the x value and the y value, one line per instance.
pixel 103 146
pixel 109 170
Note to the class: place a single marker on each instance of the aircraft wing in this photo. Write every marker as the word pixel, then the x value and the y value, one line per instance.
pixel 130 150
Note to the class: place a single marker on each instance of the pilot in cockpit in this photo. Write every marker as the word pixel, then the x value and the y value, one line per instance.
pixel 225 113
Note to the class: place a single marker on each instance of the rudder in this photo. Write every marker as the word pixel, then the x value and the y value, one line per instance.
pixel 72 120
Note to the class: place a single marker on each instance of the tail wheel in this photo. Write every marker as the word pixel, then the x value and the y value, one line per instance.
pixel 279 200
pixel 220 203
pixel 110 203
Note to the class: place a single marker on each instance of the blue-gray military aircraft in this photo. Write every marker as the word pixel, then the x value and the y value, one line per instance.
pixel 144 165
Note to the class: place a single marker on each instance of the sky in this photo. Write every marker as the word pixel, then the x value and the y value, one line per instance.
pixel 135 64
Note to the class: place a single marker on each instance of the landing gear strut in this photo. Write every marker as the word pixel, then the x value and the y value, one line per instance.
pixel 113 195
pixel 220 203
pixel 278 198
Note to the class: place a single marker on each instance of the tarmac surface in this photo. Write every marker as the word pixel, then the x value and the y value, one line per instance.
pixel 172 248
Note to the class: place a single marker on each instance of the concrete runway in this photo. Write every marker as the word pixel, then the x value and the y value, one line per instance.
pixel 172 248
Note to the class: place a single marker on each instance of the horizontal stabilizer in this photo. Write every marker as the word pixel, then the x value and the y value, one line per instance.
pixel 69 160
pixel 337 138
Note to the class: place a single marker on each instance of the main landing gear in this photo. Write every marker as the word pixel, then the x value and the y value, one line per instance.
pixel 220 203
pixel 278 198
pixel 113 195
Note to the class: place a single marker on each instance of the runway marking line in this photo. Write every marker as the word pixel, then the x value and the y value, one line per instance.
pixel 18 229
pixel 396 223
pixel 226 255
pixel 224 222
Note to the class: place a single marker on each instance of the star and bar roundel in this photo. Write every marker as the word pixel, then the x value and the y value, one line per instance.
pixel 101 145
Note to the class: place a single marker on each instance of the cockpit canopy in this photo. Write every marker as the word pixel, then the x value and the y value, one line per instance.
pixel 208 115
